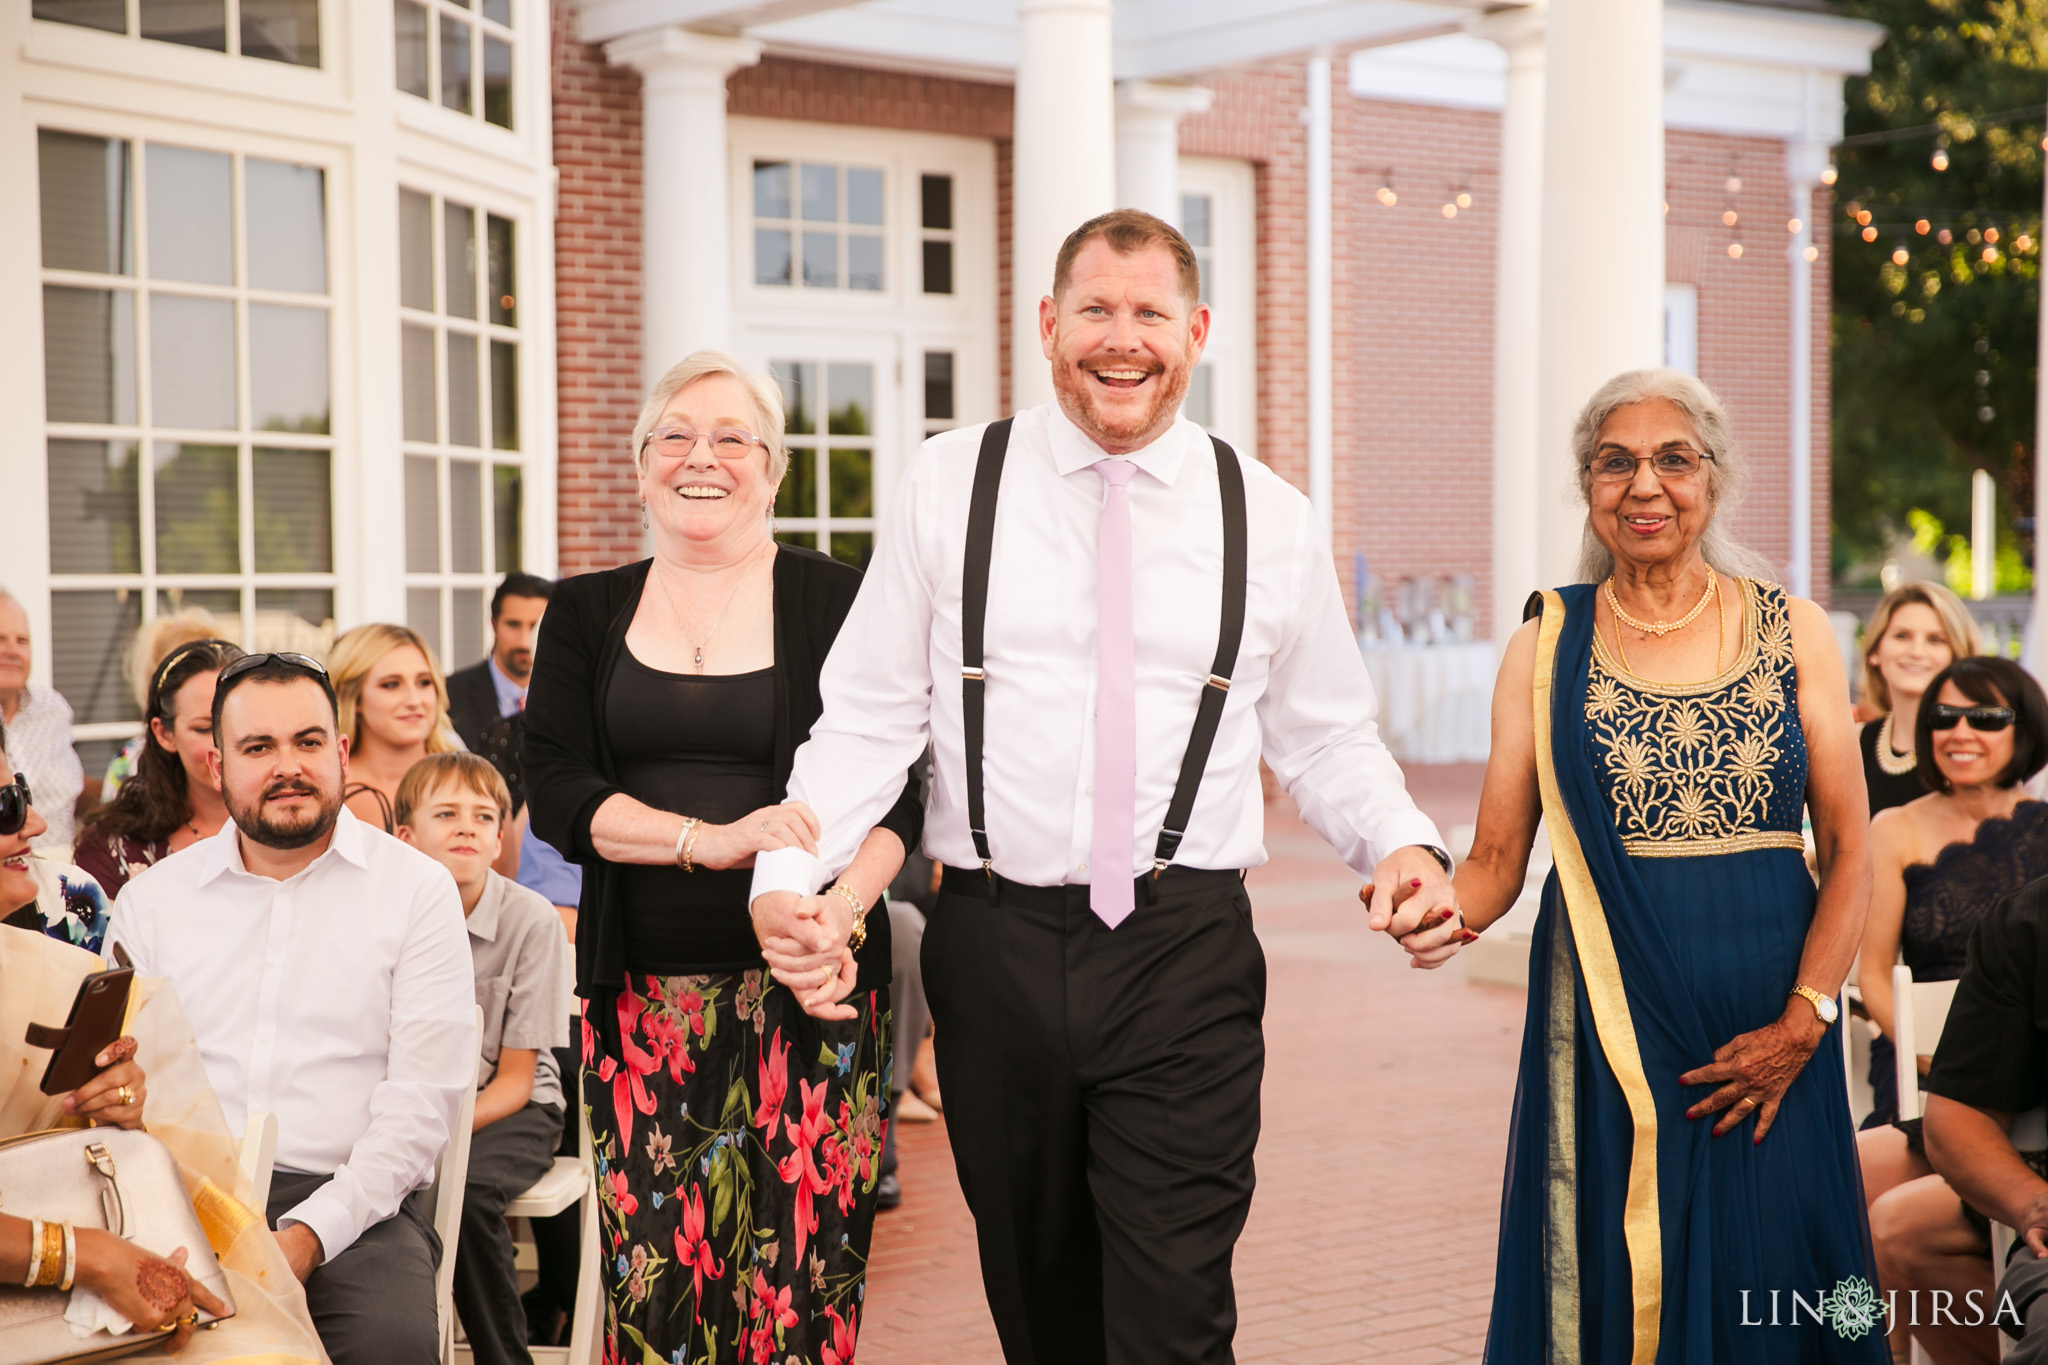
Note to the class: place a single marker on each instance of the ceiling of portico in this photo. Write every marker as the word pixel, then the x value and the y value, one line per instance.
pixel 1154 39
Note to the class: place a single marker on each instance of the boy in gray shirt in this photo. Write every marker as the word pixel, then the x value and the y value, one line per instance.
pixel 454 807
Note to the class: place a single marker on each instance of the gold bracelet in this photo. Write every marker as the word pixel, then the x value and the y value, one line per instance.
pixel 859 938
pixel 50 1266
pixel 686 838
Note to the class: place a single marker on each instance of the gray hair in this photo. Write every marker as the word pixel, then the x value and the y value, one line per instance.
pixel 765 392
pixel 1727 472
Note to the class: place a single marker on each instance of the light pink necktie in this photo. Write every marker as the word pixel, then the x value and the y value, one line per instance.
pixel 1116 705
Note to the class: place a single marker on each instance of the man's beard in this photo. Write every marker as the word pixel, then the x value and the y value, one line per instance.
pixel 1080 394
pixel 285 835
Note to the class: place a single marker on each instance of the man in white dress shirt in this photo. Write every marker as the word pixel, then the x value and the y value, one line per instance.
pixel 1096 988
pixel 326 969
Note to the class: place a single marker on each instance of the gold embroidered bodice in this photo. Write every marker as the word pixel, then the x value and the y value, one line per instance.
pixel 1693 769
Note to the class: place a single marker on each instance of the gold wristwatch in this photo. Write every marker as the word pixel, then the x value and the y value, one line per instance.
pixel 1823 1005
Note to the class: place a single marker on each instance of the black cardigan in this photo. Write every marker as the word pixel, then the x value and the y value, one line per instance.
pixel 569 765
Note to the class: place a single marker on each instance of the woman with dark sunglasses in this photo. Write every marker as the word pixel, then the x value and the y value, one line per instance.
pixel 41 892
pixel 1940 862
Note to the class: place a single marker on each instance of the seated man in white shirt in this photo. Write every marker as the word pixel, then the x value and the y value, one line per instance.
pixel 327 972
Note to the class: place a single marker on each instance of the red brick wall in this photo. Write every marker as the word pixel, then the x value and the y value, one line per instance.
pixel 597 301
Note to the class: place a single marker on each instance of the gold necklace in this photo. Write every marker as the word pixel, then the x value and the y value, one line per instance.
pixel 1662 628
pixel 1888 760
pixel 1720 623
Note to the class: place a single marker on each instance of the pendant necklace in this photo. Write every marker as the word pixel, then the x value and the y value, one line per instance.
pixel 697 647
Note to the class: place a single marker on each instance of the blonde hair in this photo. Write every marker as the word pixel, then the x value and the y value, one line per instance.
pixel 355 653
pixel 765 392
pixel 1964 640
pixel 470 772
pixel 154 642
pixel 1727 472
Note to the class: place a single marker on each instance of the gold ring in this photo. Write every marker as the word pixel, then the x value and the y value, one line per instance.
pixel 831 975
pixel 1749 1100
pixel 127 1094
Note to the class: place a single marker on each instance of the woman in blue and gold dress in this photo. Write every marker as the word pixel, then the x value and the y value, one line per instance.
pixel 1682 1184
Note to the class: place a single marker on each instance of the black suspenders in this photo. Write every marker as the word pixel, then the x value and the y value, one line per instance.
pixel 981 525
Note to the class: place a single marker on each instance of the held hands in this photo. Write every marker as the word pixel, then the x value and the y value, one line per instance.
pixel 1411 900
pixel 804 941
pixel 787 825
pixel 113 1098
pixel 149 1290
pixel 1753 1070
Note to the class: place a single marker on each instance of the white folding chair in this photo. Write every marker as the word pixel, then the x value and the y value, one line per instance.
pixel 259 1154
pixel 1919 1010
pixel 448 1185
pixel 572 1180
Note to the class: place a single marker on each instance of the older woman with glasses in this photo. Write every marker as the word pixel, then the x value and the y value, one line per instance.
pixel 1941 863
pixel 735 1069
pixel 1671 718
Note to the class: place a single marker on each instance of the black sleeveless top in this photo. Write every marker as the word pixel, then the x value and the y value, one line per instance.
pixel 1946 898
pixel 703 745
pixel 1886 789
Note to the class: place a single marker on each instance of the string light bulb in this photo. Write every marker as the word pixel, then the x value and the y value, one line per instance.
pixel 1811 253
pixel 1794 226
pixel 1870 234
pixel 1940 158
pixel 1464 198
pixel 1991 234
pixel 1728 218
pixel 1862 216
pixel 1990 255
pixel 1450 210
pixel 1900 255
pixel 1734 184
pixel 1921 227
pixel 1944 236
pixel 1735 251
pixel 2023 243
pixel 1385 194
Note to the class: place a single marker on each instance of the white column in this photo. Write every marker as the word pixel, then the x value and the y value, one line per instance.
pixel 2038 646
pixel 687 263
pixel 1148 115
pixel 1602 308
pixel 1064 169
pixel 1804 162
pixel 25 548
pixel 1983 534
pixel 1519 261
pixel 1321 375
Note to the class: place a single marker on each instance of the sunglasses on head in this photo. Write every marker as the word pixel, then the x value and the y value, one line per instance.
pixel 304 663
pixel 14 803
pixel 1988 720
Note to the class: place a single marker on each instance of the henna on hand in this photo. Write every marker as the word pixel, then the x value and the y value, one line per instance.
pixel 161 1284
pixel 117 1052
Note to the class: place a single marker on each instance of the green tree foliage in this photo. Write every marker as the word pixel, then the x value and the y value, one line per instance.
pixel 1934 358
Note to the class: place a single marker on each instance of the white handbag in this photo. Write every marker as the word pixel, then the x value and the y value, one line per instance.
pixel 125 1182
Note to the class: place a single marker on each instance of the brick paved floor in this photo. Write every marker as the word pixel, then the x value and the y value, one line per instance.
pixel 1385 1121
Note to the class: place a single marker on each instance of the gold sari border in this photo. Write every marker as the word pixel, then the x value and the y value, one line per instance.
pixel 1609 999
pixel 1747 842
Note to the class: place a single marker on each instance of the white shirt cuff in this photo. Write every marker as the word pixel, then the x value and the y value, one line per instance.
pixel 1399 831
pixel 330 1220
pixel 787 869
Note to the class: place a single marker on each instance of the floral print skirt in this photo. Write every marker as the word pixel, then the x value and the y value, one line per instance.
pixel 738 1145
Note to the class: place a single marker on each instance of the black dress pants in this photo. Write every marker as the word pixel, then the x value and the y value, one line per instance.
pixel 1102 1101
pixel 374 1303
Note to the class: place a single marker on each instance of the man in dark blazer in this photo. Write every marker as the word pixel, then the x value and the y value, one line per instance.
pixel 492 691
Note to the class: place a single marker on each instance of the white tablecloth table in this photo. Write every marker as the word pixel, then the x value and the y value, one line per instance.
pixel 1435 700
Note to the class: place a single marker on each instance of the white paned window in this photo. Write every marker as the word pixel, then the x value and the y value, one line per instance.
pixel 273 30
pixel 867 266
pixel 464 471
pixel 456 55
pixel 1216 207
pixel 186 386
pixel 827 499
pixel 1682 327
pixel 818 225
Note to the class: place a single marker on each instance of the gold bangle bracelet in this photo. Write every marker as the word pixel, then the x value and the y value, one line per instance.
pixel 51 1267
pixel 686 838
pixel 859 937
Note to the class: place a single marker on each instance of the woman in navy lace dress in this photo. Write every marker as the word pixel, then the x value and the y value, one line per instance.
pixel 1940 863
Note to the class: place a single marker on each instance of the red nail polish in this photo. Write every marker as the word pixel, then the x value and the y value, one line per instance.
pixel 1416 884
